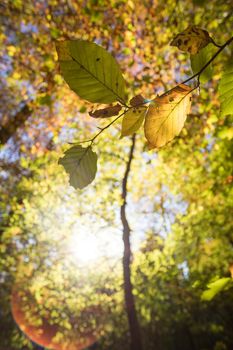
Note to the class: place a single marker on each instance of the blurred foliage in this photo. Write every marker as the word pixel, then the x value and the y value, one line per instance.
pixel 180 198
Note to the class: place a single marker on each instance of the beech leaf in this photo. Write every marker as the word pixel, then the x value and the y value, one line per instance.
pixel 166 116
pixel 191 40
pixel 81 165
pixel 106 112
pixel 199 60
pixel 226 91
pixel 137 100
pixel 91 71
pixel 132 120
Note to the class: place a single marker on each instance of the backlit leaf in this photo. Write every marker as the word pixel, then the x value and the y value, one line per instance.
pixel 215 287
pixel 91 71
pixel 137 100
pixel 226 91
pixel 166 116
pixel 132 120
pixel 199 60
pixel 191 40
pixel 106 112
pixel 81 165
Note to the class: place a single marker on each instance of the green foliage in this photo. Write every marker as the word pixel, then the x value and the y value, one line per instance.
pixel 199 60
pixel 179 198
pixel 91 71
pixel 226 90
pixel 81 165
pixel 215 288
pixel 94 75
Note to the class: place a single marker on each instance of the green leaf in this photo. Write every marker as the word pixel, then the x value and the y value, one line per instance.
pixel 199 60
pixel 132 120
pixel 215 288
pixel 91 71
pixel 226 91
pixel 166 116
pixel 81 164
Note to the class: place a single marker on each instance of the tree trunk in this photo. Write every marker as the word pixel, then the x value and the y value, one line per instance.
pixel 13 124
pixel 134 328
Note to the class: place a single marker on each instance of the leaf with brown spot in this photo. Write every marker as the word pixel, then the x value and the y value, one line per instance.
pixel 166 116
pixel 91 71
pixel 106 112
pixel 137 100
pixel 132 120
pixel 192 40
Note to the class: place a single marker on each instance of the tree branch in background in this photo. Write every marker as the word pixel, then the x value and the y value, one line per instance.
pixel 134 328
pixel 8 130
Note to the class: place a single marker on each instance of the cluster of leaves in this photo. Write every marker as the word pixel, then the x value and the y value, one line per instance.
pixel 94 75
pixel 198 168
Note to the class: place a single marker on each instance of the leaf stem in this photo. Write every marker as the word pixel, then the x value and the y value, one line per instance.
pixel 101 129
pixel 108 125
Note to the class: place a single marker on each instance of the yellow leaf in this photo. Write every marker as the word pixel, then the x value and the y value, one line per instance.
pixel 132 120
pixel 166 116
pixel 192 40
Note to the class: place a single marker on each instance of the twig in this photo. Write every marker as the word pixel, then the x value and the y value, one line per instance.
pixel 221 48
pixel 203 68
pixel 210 60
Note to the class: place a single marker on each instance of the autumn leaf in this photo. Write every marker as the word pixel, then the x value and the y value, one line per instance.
pixel 106 112
pixel 166 116
pixel 192 40
pixel 91 71
pixel 132 120
pixel 81 165
pixel 137 100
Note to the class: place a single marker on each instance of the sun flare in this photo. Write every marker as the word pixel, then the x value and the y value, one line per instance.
pixel 88 247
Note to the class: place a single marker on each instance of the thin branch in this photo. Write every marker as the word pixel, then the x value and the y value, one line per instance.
pixel 203 68
pixel 102 129
pixel 108 125
pixel 134 328
pixel 214 43
pixel 210 60
pixel 221 48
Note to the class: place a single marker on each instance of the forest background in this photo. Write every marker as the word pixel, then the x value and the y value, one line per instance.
pixel 63 247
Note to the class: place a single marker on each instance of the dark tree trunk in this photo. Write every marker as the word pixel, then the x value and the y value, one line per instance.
pixel 134 328
pixel 13 124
